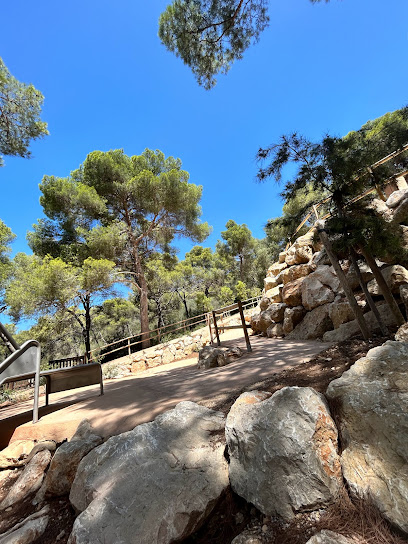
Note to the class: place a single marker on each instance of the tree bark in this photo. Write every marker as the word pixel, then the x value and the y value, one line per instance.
pixel 343 281
pixel 383 286
pixel 144 312
pixel 87 329
pixel 369 298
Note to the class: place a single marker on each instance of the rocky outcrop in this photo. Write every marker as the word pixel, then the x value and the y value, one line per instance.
pixel 283 451
pixel 154 484
pixel 340 312
pixel 374 429
pixel 346 330
pixel 313 325
pixel 292 292
pixel 395 276
pixel 211 357
pixel 29 481
pixel 28 530
pixel 64 464
pixel 292 317
pixel 15 455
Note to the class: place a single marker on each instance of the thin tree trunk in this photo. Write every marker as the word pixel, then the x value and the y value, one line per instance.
pixel 369 298
pixel 144 312
pixel 343 281
pixel 383 286
pixel 87 330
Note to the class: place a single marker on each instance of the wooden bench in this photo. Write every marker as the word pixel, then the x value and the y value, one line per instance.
pixel 24 364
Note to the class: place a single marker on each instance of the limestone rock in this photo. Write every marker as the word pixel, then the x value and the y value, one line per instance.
pixel 327 276
pixel 64 464
pixel 29 481
pixel 277 311
pixel 403 292
pixel 319 258
pixel 294 272
pixel 282 257
pixel 347 330
pixel 49 445
pixel 329 537
pixel 16 453
pixel 313 325
pixel 29 530
pixel 155 484
pixel 351 275
pixel 264 303
pixel 292 317
pixel 402 333
pixel 400 212
pixel 395 276
pixel 283 452
pixel 374 429
pixel 212 357
pixel 292 292
pixel 315 294
pixel 276 268
pixel 275 330
pixel 274 295
pixel 298 254
pixel 340 312
pixel 396 198
pixel 270 282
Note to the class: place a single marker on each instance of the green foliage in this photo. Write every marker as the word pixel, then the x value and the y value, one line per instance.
pixel 116 318
pixel 203 303
pixel 226 296
pixel 209 35
pixel 239 246
pixel 6 394
pixel 20 108
pixel 6 238
pixel 241 292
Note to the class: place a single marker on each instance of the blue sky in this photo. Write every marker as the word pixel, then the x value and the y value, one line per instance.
pixel 109 83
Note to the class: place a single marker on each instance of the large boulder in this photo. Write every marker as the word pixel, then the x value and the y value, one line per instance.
pixel 340 312
pixel 402 333
pixel 64 464
pixel 347 330
pixel 396 198
pixel 275 330
pixel 395 276
pixel 292 292
pixel 373 402
pixel 29 481
pixel 315 294
pixel 283 452
pixel 294 272
pixel 274 295
pixel 292 317
pixel 276 268
pixel 270 282
pixel 352 278
pixel 277 311
pixel 302 250
pixel 313 325
pixel 211 357
pixel 155 484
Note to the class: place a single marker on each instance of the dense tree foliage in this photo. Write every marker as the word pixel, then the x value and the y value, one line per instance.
pixel 6 237
pixel 20 109
pixel 209 35
pixel 122 208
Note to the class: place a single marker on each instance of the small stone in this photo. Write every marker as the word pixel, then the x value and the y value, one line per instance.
pixel 9 509
pixel 264 528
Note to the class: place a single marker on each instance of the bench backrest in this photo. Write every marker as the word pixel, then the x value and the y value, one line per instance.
pixel 24 360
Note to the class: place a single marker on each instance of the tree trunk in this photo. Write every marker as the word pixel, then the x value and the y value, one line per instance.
pixel 185 306
pixel 369 298
pixel 343 281
pixel 144 312
pixel 383 286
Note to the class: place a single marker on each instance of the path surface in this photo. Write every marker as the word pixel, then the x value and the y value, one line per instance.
pixel 138 399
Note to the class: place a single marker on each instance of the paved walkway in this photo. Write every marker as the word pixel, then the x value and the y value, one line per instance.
pixel 137 399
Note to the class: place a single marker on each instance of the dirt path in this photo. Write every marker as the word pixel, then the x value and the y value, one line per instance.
pixel 133 400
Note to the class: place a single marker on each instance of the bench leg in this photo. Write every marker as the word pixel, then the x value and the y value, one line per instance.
pixel 101 378
pixel 47 390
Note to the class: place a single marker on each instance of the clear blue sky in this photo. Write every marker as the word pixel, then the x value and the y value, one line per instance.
pixel 109 83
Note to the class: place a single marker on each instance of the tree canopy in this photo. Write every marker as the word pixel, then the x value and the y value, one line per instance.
pixel 209 35
pixel 20 109
pixel 122 208
pixel 6 237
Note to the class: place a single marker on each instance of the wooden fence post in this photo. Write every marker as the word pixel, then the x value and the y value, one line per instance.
pixel 241 313
pixel 216 329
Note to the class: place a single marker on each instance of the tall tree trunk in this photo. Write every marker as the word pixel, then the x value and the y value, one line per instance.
pixel 369 298
pixel 144 312
pixel 185 306
pixel 358 314
pixel 383 286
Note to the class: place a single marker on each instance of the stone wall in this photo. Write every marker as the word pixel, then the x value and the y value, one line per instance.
pixel 302 298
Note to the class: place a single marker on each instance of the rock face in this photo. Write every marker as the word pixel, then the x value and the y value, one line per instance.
pixel 329 537
pixel 292 292
pixel 28 530
pixel 315 294
pixel 313 325
pixel 283 452
pixel 30 479
pixel 346 330
pixel 64 464
pixel 292 317
pixel 340 312
pixel 402 333
pixel 374 428
pixel 15 455
pixel 395 276
pixel 154 484
pixel 211 357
